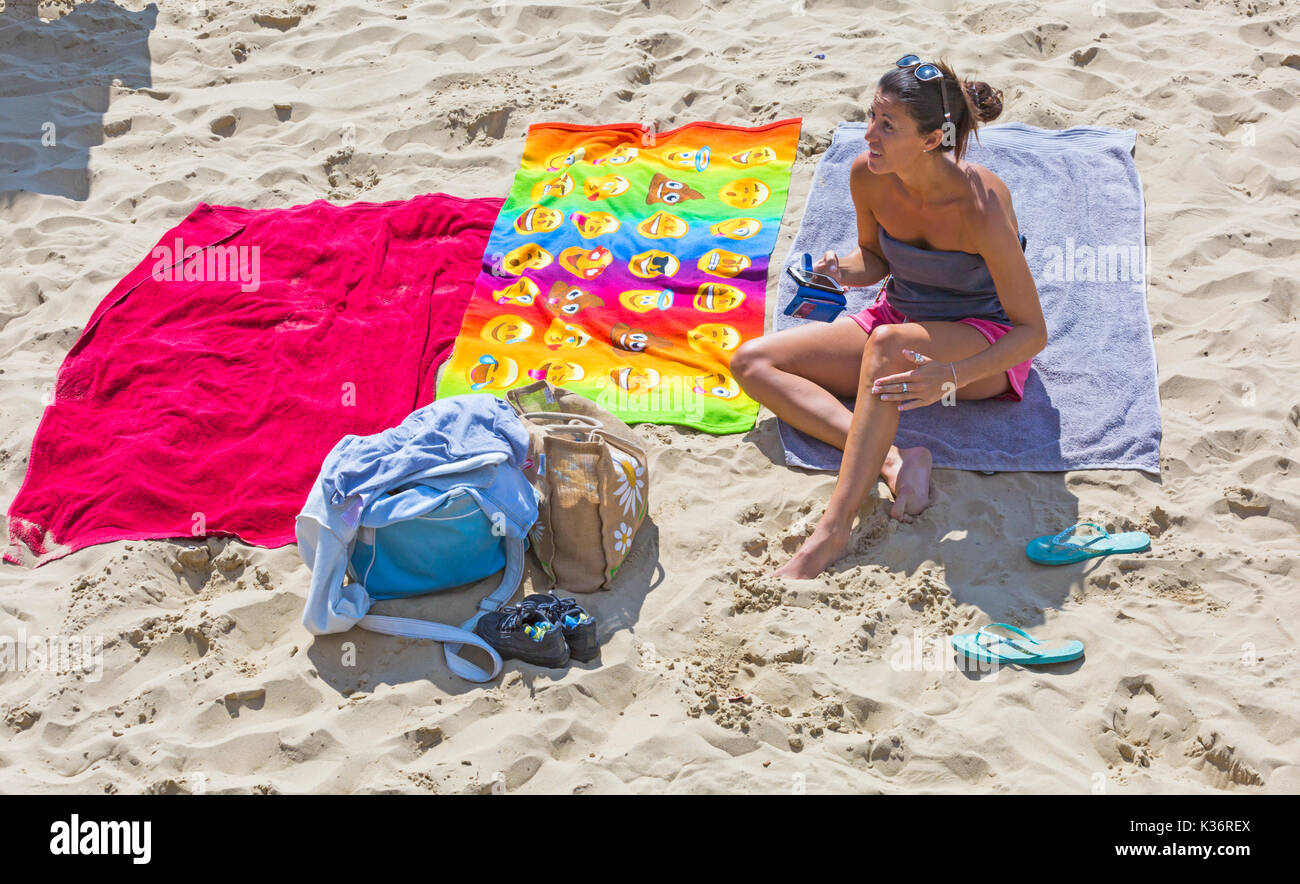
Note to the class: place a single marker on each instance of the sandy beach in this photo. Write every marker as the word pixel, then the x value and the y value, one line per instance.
pixel 715 677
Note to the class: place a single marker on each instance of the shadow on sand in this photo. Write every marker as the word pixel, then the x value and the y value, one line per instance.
pixel 975 529
pixel 57 78
pixel 359 661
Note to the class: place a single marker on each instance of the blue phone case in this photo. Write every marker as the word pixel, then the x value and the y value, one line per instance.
pixel 811 303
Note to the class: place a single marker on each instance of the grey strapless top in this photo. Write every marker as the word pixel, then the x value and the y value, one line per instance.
pixel 931 284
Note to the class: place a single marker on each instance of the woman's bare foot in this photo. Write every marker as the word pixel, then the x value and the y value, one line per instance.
pixel 818 552
pixel 911 485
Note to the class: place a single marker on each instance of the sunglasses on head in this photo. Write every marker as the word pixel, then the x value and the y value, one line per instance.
pixel 926 71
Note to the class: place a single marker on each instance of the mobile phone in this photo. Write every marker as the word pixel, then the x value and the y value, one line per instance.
pixel 811 280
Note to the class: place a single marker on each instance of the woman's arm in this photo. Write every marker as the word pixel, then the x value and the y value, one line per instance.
pixel 866 265
pixel 994 234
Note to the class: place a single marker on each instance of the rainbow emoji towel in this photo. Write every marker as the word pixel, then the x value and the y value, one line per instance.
pixel 628 265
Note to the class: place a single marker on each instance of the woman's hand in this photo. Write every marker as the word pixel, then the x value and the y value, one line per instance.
pixel 829 264
pixel 924 385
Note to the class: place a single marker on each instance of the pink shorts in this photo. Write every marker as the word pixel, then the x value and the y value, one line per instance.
pixel 881 313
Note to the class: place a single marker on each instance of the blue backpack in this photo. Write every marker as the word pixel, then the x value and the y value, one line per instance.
pixel 438 501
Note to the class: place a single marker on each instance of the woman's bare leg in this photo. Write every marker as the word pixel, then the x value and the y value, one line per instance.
pixel 873 427
pixel 800 374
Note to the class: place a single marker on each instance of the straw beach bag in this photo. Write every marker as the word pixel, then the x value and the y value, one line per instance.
pixel 593 479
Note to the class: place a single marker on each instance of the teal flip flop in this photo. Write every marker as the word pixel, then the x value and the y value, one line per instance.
pixel 1027 650
pixel 1067 547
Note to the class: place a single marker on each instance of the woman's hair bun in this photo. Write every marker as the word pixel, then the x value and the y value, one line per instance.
pixel 987 100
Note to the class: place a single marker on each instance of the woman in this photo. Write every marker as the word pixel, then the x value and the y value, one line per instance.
pixel 959 314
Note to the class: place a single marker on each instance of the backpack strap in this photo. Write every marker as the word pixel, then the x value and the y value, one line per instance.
pixel 454 638
pixel 450 636
pixel 510 580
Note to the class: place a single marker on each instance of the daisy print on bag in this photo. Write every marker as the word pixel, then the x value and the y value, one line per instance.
pixel 622 538
pixel 631 483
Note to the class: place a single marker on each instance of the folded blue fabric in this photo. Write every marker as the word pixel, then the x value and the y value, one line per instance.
pixel 1091 400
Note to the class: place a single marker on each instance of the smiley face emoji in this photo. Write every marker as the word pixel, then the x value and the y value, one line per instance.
pixel 720 262
pixel 634 379
pixel 755 156
pixel 523 292
pixel 737 228
pixel 619 156
pixel 662 225
pixel 708 335
pixel 715 297
pixel 557 371
pixel 561 161
pixel 645 300
pixel 506 329
pixel 529 256
pixel 539 219
pixel 745 193
pixel 688 159
pixel 648 265
pixel 665 190
pixel 719 385
pixel 594 224
pixel 492 373
pixel 562 336
pixel 602 187
pixel 585 263
pixel 553 189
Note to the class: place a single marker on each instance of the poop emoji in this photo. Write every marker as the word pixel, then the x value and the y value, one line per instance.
pixel 648 265
pixel 539 219
pixel 645 300
pixel 737 228
pixel 570 300
pixel 562 336
pixel 594 224
pixel 745 193
pixel 522 292
pixel 492 372
pixel 716 297
pixel 602 187
pixel 624 337
pixel 506 329
pixel 665 190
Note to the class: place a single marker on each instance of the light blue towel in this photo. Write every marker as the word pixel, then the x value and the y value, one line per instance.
pixel 1091 400
pixel 469 447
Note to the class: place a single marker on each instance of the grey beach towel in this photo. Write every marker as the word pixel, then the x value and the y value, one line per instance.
pixel 1091 400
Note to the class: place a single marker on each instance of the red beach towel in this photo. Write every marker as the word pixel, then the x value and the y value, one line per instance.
pixel 209 385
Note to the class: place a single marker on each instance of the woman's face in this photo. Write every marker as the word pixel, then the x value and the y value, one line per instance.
pixel 893 141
